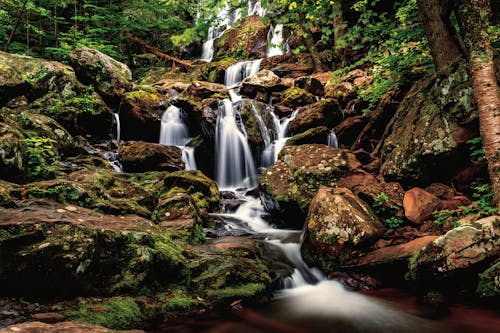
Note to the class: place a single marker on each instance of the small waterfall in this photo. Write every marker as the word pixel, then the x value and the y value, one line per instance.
pixel 239 71
pixel 262 127
pixel 276 43
pixel 174 132
pixel 112 159
pixel 118 127
pixel 332 139
pixel 255 8
pixel 234 161
pixel 270 155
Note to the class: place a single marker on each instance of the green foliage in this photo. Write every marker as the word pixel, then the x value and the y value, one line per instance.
pixel 379 207
pixel 476 151
pixel 40 154
pixel 117 313
pixel 393 222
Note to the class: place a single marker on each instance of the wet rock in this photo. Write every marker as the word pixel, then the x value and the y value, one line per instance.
pixel 314 135
pixel 299 172
pixel 140 114
pixel 245 40
pixel 295 97
pixel 259 125
pixel 48 249
pixel 322 113
pixel 259 86
pixel 452 261
pixel 348 130
pixel 69 327
pixel 13 165
pixel 215 71
pixel 427 135
pixel 310 84
pixel 110 77
pixel 339 224
pixel 419 205
pixel 385 198
pixel 144 156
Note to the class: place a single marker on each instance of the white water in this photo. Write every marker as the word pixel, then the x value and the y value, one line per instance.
pixel 113 161
pixel 332 139
pixel 174 132
pixel 234 161
pixel 237 72
pixel 118 126
pixel 276 43
pixel 270 154
pixel 255 8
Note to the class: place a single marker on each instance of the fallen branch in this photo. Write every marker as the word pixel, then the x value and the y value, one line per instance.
pixel 155 51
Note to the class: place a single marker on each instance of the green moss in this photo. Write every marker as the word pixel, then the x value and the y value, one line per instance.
pixel 248 290
pixel 149 94
pixel 489 282
pixel 116 313
pixel 179 300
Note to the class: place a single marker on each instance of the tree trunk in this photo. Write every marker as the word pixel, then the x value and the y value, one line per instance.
pixel 14 28
pixel 436 20
pixel 473 16
pixel 338 22
pixel 313 51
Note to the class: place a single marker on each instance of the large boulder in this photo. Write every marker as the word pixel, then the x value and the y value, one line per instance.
pixel 426 138
pixel 55 250
pixel 310 84
pixel 13 165
pixel 110 78
pixel 293 180
pixel 67 326
pixel 260 86
pixel 338 226
pixel 144 156
pixel 453 261
pixel 312 135
pixel 488 285
pixel 294 97
pixel 247 40
pixel 322 113
pixel 419 205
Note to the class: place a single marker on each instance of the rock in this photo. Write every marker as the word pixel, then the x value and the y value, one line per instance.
pixel 310 84
pixel 48 250
pixel 419 205
pixel 12 153
pixel 386 199
pixel 247 40
pixel 314 135
pixel 259 86
pixel 6 200
pixel 299 172
pixel 11 82
pixel 339 225
pixel 441 191
pixel 289 65
pixel 349 129
pixel 322 113
pixel 427 135
pixel 452 261
pixel 489 286
pixel 295 97
pixel 48 317
pixel 68 326
pixel 110 78
pixel 215 71
pixel 140 114
pixel 144 156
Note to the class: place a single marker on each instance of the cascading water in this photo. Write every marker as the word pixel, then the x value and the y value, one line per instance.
pixel 332 139
pixel 255 8
pixel 234 162
pixel 276 43
pixel 118 126
pixel 174 132
pixel 270 154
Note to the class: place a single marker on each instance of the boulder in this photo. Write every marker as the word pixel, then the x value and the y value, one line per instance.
pixel 140 114
pixel 110 78
pixel 313 135
pixel 338 226
pixel 419 205
pixel 453 261
pixel 349 129
pixel 289 65
pixel 144 156
pixel 13 164
pixel 294 97
pixel 310 84
pixel 488 285
pixel 11 82
pixel 67 326
pixel 441 191
pixel 322 113
pixel 247 39
pixel 51 250
pixel 427 136
pixel 386 199
pixel 293 180
pixel 260 86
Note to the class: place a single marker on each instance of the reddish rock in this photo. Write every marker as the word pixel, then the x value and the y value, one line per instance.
pixel 357 182
pixel 441 191
pixel 348 130
pixel 322 113
pixel 66 327
pixel 144 156
pixel 48 317
pixel 455 202
pixel 419 205
pixel 311 84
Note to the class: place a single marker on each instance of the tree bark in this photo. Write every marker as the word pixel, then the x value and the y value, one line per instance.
pixel 313 51
pixel 155 51
pixel 338 22
pixel 436 20
pixel 16 24
pixel 473 16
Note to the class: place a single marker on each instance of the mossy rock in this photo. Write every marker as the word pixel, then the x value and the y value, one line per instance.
pixel 13 165
pixel 215 71
pixel 489 282
pixel 313 135
pixel 144 156
pixel 295 97
pixel 259 125
pixel 325 112
pixel 6 200
pixel 55 250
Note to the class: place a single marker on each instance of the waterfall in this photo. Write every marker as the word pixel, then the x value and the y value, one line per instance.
pixel 174 132
pixel 276 44
pixel 239 71
pixel 234 160
pixel 332 139
pixel 270 154
pixel 118 127
pixel 255 8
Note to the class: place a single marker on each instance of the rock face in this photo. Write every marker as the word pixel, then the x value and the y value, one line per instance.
pixel 247 39
pixel 453 260
pixel 322 113
pixel 144 156
pixel 425 139
pixel 111 78
pixel 338 225
pixel 299 172
pixel 58 250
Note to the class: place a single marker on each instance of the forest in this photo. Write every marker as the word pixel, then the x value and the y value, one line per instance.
pixel 254 166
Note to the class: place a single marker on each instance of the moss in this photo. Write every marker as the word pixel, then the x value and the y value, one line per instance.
pixel 248 290
pixel 179 300
pixel 144 94
pixel 489 282
pixel 116 313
